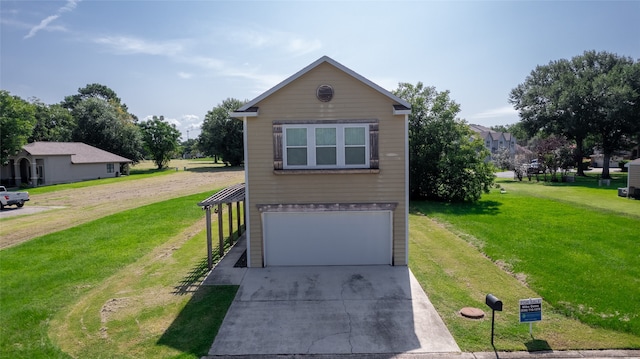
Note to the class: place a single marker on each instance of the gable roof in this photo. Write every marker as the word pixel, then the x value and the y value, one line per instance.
pixel 250 107
pixel 79 152
pixel 493 135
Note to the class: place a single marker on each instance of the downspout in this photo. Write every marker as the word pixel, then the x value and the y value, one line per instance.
pixel 406 188
pixel 247 206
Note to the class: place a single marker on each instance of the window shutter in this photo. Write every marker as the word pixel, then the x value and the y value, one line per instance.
pixel 373 144
pixel 277 146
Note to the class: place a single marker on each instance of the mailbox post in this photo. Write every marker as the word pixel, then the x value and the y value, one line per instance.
pixel 495 304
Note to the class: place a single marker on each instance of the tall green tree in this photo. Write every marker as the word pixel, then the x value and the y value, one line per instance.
pixel 53 123
pixel 160 140
pixel 99 125
pixel 17 118
pixel 593 94
pixel 446 160
pixel 617 95
pixel 222 135
pixel 102 92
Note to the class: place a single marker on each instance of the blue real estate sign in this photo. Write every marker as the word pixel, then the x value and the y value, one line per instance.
pixel 530 310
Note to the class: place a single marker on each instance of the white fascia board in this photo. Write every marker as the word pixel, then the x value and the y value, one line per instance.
pixel 401 112
pixel 243 114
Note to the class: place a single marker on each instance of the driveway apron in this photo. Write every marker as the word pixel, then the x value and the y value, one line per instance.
pixel 331 310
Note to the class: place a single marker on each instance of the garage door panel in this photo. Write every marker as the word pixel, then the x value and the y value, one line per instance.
pixel 327 238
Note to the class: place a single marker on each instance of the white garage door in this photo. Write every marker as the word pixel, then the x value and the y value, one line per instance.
pixel 327 238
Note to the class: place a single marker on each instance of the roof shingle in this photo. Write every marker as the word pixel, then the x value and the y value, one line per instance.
pixel 80 152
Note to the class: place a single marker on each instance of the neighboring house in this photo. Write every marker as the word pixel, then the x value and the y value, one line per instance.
pixel 326 171
pixel 494 140
pixel 45 163
pixel 597 160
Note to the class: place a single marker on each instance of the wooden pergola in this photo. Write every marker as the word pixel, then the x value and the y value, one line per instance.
pixel 228 196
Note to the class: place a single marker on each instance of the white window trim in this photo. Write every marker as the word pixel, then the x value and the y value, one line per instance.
pixel 340 145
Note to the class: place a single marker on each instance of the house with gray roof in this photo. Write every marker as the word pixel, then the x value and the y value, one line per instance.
pixel 46 163
pixel 494 140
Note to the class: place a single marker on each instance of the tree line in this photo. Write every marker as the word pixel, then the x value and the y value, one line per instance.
pixel 590 101
pixel 95 116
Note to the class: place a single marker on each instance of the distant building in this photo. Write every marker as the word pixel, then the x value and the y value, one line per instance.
pixel 494 140
pixel 46 163
pixel 597 160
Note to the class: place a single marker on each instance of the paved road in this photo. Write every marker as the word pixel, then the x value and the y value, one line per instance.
pixel 15 211
pixel 569 354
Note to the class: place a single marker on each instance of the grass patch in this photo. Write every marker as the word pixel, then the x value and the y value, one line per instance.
pixel 574 246
pixel 42 277
pixel 454 274
pixel 96 182
pixel 180 164
pixel 584 192
pixel 153 308
pixel 144 169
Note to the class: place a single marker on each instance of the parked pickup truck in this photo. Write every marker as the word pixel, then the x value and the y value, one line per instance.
pixel 10 198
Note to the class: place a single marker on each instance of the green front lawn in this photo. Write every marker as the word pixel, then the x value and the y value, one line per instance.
pixel 127 285
pixel 575 246
pixel 43 277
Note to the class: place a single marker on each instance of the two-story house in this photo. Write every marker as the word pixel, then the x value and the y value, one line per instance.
pixel 326 171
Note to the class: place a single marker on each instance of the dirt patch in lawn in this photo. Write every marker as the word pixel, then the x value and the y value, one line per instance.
pixel 82 205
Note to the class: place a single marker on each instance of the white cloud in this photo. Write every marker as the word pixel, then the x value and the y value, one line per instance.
pixel 190 126
pixel 504 111
pixel 299 46
pixel 190 118
pixel 45 24
pixel 180 51
pixel 202 61
pixel 69 6
pixel 132 45
pixel 42 25
pixel 286 41
pixel 172 121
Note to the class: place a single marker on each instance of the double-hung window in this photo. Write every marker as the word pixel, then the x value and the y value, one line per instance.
pixel 110 167
pixel 326 145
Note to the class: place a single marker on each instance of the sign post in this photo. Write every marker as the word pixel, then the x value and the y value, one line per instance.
pixel 530 311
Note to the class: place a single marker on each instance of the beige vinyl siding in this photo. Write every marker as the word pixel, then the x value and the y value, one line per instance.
pixel 352 100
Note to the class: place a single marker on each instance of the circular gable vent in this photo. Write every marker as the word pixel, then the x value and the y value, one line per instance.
pixel 324 93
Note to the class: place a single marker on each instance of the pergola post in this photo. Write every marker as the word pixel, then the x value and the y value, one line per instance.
pixel 238 218
pixel 230 222
pixel 209 241
pixel 229 195
pixel 244 213
pixel 220 234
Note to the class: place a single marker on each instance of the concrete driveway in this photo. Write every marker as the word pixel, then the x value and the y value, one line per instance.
pixel 331 310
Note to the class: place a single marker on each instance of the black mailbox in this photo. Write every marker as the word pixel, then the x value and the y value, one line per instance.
pixel 493 302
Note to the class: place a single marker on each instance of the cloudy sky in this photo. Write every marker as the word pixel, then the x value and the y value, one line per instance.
pixel 180 59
